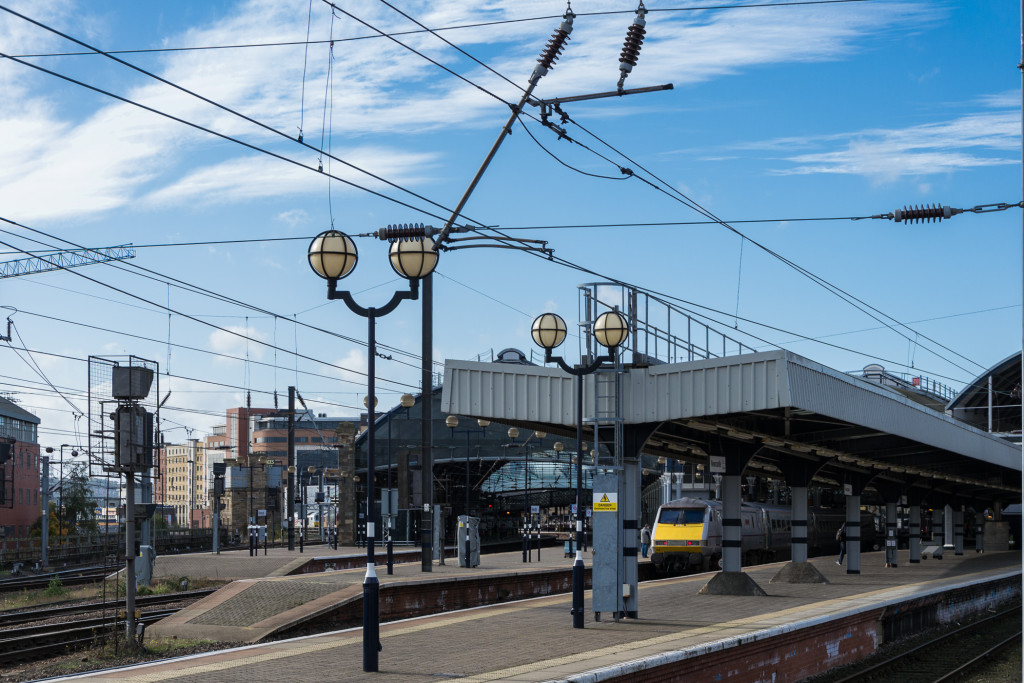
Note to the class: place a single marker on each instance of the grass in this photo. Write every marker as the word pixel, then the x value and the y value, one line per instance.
pixel 169 647
pixel 24 599
pixel 113 651
pixel 56 592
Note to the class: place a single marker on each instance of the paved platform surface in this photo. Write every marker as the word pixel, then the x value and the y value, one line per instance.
pixel 532 640
pixel 251 609
pixel 229 565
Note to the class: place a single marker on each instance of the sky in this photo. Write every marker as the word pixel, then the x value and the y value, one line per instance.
pixel 786 120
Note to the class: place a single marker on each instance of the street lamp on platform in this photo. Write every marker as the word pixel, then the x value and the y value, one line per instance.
pixel 332 255
pixel 610 330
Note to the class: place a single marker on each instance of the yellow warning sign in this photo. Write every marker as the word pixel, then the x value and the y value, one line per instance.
pixel 606 502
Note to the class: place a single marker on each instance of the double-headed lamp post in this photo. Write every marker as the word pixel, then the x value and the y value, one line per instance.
pixel 332 256
pixel 610 330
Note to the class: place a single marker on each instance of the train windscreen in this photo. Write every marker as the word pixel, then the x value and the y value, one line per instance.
pixel 681 516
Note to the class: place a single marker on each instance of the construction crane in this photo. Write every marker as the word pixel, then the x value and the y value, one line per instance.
pixel 70 258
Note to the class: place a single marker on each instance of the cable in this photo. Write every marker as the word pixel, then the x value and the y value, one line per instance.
pixel 448 42
pixel 159 277
pixel 458 27
pixel 804 337
pixel 849 298
pixel 576 226
pixel 224 136
pixel 232 387
pixel 39 371
pixel 662 297
pixel 568 166
pixel 221 107
pixel 205 323
pixel 795 3
pixel 305 56
pixel 415 51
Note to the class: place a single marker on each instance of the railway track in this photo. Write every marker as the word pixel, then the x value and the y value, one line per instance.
pixel 58 635
pixel 49 640
pixel 70 577
pixel 8 619
pixel 949 656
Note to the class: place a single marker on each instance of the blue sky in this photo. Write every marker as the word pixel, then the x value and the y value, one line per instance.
pixel 821 111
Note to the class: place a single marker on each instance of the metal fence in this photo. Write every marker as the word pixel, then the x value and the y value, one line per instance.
pixel 660 332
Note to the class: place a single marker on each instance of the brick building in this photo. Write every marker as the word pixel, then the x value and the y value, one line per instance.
pixel 182 484
pixel 239 431
pixel 19 475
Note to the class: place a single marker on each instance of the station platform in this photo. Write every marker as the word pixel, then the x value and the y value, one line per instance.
pixel 315 591
pixel 229 565
pixel 795 631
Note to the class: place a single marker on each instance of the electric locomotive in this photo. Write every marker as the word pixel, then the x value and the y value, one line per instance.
pixel 687 534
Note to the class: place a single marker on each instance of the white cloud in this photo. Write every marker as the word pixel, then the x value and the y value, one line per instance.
pixel 260 176
pixel 293 218
pixel 1004 100
pixel 355 364
pixel 231 341
pixel 64 160
pixel 971 141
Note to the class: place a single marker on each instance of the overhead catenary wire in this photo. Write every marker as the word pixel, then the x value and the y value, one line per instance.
pixel 858 303
pixel 223 108
pixel 572 226
pixel 39 371
pixel 458 27
pixel 725 316
pixel 204 322
pixel 225 385
pixel 159 277
pixel 694 304
pixel 305 57
pixel 795 3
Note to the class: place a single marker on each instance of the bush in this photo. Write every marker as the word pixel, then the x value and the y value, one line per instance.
pixel 56 588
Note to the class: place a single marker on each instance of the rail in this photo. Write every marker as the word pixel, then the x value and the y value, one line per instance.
pixel 39 642
pixel 941 657
pixel 8 619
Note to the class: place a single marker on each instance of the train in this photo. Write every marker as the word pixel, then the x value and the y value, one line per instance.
pixel 687 534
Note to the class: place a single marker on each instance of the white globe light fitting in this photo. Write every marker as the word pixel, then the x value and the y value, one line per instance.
pixel 548 330
pixel 332 255
pixel 413 258
pixel 611 329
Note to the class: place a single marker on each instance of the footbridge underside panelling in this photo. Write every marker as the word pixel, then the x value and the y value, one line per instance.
pixel 662 393
pixel 776 399
pixel 511 393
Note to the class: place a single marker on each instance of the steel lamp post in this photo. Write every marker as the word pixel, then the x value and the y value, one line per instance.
pixel 332 255
pixel 548 331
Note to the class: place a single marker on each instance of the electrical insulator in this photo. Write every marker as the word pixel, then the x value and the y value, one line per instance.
pixel 405 231
pixel 631 47
pixel 554 47
pixel 924 213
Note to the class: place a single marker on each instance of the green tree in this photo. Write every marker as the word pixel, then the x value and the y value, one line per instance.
pixel 79 509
